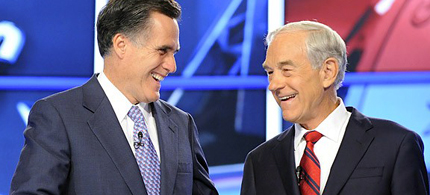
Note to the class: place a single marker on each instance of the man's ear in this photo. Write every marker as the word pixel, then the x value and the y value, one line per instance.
pixel 119 45
pixel 329 71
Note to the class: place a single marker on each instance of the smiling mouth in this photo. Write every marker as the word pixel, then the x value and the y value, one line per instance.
pixel 157 77
pixel 285 98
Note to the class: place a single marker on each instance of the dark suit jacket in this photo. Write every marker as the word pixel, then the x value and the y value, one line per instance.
pixel 376 157
pixel 75 145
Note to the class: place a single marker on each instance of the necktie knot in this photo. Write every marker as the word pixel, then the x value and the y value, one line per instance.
pixel 135 114
pixel 312 136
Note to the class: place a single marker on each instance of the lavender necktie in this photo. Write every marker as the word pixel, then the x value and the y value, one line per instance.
pixel 146 156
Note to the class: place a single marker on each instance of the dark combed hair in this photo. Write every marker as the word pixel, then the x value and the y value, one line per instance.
pixel 130 17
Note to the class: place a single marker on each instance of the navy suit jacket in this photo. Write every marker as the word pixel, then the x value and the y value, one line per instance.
pixel 74 144
pixel 376 157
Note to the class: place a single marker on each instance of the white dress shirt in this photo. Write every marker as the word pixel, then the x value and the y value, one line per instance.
pixel 333 129
pixel 121 105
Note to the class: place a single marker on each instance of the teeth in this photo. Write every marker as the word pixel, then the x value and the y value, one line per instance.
pixel 157 77
pixel 287 97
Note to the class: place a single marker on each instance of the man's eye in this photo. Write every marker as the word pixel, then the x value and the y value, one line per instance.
pixel 162 51
pixel 269 72
pixel 287 72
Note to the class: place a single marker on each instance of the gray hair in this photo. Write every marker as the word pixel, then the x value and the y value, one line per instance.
pixel 321 43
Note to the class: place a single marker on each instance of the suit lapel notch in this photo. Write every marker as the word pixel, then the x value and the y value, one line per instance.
pixel 162 115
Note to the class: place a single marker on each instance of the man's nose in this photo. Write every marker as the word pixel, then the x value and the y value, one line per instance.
pixel 170 64
pixel 275 83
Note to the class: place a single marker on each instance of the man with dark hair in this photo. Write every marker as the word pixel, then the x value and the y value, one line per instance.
pixel 113 135
pixel 331 149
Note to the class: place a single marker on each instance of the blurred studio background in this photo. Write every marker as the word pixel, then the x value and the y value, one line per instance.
pixel 49 46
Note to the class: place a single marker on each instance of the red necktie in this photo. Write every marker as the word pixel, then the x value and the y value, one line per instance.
pixel 311 171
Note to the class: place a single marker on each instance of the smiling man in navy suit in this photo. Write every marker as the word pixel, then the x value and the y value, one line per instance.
pixel 113 135
pixel 331 149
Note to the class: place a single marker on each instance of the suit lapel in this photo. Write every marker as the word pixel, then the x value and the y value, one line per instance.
pixel 108 131
pixel 168 139
pixel 284 157
pixel 354 145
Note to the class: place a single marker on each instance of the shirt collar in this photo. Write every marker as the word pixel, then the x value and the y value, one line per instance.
pixel 330 127
pixel 119 102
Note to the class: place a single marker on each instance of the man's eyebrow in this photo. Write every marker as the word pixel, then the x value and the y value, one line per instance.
pixel 168 47
pixel 284 63
pixel 280 64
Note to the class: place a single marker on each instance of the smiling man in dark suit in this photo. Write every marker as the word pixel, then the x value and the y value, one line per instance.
pixel 113 135
pixel 331 149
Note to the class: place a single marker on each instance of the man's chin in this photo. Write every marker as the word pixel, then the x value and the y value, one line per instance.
pixel 149 98
pixel 154 97
pixel 288 117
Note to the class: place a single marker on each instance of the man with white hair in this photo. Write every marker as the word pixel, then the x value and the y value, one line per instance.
pixel 330 149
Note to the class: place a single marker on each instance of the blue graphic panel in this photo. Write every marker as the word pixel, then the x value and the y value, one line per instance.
pixel 46 38
pixel 228 43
